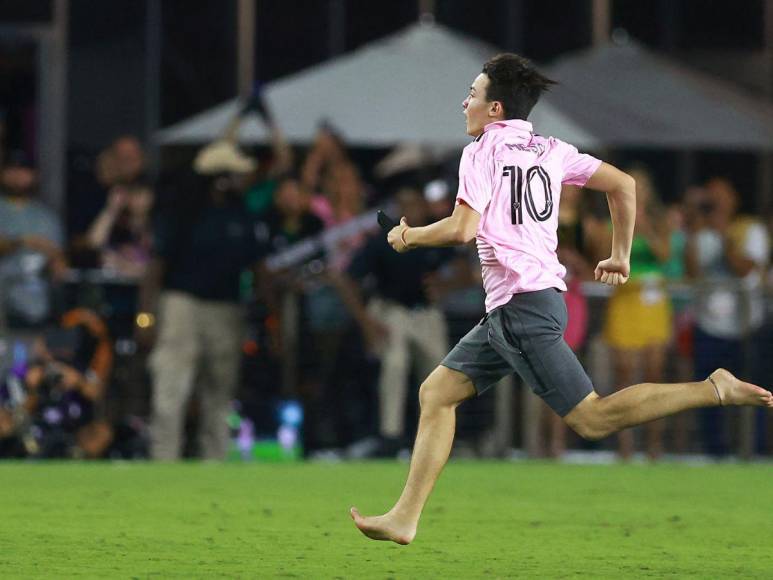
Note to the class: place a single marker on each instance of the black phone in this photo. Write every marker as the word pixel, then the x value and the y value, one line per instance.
pixel 386 222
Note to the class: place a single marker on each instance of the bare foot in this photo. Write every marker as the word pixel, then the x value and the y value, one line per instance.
pixel 384 528
pixel 733 391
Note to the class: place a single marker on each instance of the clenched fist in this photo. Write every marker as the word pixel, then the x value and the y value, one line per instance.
pixel 396 237
pixel 613 272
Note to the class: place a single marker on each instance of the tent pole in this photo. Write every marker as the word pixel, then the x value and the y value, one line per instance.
pixel 426 8
pixel 601 21
pixel 245 55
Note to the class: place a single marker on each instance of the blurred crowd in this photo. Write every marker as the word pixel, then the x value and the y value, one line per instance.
pixel 176 316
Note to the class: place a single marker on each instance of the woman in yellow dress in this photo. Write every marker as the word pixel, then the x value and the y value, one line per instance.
pixel 638 324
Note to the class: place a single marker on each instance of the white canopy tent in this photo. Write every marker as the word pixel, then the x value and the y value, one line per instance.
pixel 628 96
pixel 406 88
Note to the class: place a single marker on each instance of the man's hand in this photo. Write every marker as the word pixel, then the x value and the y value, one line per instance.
pixel 613 272
pixel 396 237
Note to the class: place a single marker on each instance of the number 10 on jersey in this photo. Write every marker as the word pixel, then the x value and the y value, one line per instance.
pixel 522 191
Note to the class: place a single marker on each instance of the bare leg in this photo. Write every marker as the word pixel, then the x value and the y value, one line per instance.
pixel 625 364
pixel 440 394
pixel 654 361
pixel 596 417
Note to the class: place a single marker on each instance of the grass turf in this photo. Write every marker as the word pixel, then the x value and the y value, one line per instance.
pixel 485 519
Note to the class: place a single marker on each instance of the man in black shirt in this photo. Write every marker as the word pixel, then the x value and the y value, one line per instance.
pixel 288 220
pixel 402 322
pixel 202 245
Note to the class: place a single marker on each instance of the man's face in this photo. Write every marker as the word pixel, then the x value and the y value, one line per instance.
pixel 19 181
pixel 723 198
pixel 478 111
pixel 129 158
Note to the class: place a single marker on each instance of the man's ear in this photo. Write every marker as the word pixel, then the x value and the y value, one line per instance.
pixel 495 109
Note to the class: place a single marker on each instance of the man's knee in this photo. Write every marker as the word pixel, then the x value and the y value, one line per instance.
pixel 590 431
pixel 430 395
pixel 590 419
pixel 445 387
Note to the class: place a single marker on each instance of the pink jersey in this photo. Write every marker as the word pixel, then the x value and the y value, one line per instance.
pixel 513 178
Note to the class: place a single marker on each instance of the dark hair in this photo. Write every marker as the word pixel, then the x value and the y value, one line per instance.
pixel 514 82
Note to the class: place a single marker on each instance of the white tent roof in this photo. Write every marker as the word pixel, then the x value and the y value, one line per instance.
pixel 629 96
pixel 407 87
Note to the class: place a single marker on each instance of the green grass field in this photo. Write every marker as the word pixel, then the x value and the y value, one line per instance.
pixel 485 520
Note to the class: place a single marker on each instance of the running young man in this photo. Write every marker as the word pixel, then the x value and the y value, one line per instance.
pixel 509 186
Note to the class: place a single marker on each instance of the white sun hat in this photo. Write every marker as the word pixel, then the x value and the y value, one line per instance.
pixel 223 156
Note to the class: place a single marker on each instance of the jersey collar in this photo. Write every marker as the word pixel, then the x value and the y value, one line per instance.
pixel 517 124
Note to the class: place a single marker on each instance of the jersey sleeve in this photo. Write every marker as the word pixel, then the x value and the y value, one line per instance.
pixel 578 167
pixel 476 180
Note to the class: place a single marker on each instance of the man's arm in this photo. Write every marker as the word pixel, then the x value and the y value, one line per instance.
pixel 458 228
pixel 621 196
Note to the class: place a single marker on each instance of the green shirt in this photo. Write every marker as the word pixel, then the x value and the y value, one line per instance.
pixel 644 263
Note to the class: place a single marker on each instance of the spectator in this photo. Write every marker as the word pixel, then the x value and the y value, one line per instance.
pixel 288 221
pixel 260 196
pixel 121 163
pixel 201 247
pixel 727 254
pixel 344 196
pixel 328 151
pixel 402 322
pixel 638 324
pixel 31 257
pixel 122 231
pixel 65 383
pixel 344 200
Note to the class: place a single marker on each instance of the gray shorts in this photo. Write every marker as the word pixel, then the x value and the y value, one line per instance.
pixel 524 336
